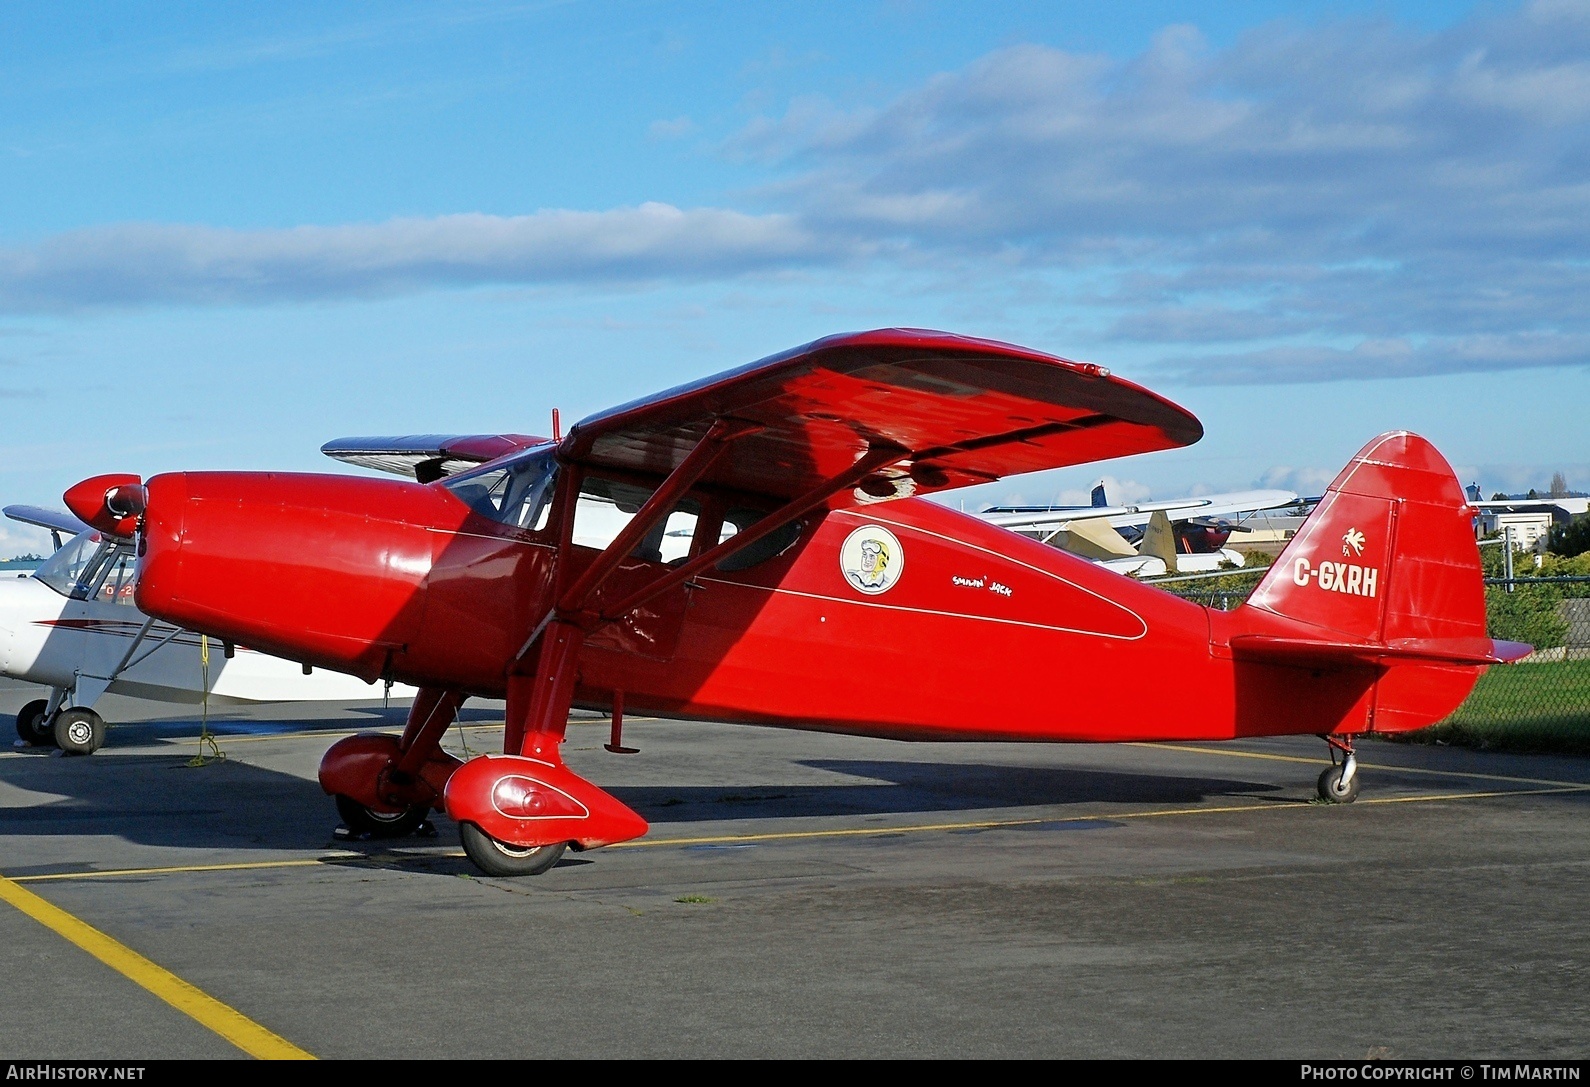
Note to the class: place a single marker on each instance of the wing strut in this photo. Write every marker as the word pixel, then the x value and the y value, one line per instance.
pixel 875 458
pixel 659 505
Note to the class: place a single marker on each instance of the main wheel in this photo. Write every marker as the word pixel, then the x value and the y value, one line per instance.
pixel 381 824
pixel 30 723
pixel 501 859
pixel 1331 789
pixel 79 731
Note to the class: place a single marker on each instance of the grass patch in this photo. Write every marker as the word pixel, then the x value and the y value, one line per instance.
pixel 1525 708
pixel 696 900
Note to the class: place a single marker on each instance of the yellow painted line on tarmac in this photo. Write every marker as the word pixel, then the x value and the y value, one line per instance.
pixel 1474 796
pixel 175 868
pixel 1274 805
pixel 1231 754
pixel 223 1019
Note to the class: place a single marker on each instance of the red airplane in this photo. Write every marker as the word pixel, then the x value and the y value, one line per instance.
pixel 747 549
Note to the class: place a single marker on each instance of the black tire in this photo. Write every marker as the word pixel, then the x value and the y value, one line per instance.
pixel 501 859
pixel 1330 786
pixel 380 824
pixel 79 731
pixel 30 723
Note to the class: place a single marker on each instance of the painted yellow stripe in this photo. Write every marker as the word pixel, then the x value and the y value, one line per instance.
pixel 1235 754
pixel 1274 805
pixel 192 1001
pixel 175 868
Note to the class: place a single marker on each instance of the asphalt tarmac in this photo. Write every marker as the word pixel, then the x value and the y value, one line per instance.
pixel 799 895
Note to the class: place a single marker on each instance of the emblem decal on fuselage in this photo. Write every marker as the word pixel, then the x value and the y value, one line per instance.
pixel 872 559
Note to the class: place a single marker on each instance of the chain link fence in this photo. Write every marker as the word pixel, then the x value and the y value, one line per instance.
pixel 1541 703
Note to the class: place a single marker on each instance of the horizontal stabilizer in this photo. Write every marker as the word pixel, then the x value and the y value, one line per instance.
pixel 1303 651
pixel 426 457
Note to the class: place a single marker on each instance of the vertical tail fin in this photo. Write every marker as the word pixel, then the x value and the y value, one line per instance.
pixel 1388 554
pixel 1159 540
pixel 1385 573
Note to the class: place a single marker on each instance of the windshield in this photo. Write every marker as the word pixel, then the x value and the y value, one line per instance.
pixel 72 569
pixel 518 493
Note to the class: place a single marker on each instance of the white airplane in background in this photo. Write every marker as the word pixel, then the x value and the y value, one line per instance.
pixel 1149 539
pixel 71 625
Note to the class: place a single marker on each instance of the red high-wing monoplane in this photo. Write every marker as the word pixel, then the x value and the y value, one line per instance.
pixel 747 549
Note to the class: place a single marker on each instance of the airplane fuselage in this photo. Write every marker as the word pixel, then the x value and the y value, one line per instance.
pixel 962 631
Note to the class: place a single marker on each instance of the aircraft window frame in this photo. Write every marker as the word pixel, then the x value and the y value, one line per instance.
pixel 519 493
pixel 75 577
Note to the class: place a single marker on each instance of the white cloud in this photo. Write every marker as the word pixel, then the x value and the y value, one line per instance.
pixel 1304 481
pixel 153 263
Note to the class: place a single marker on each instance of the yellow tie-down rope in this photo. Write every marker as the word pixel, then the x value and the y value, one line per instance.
pixel 209 751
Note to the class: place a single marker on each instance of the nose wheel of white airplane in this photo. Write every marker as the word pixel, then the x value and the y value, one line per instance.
pixel 32 723
pixel 361 820
pixel 502 859
pixel 1338 783
pixel 79 731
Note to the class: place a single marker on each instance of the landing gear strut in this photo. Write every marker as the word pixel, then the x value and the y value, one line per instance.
pixel 1338 783
pixel 384 787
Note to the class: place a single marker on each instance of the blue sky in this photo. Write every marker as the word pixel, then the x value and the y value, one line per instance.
pixel 228 233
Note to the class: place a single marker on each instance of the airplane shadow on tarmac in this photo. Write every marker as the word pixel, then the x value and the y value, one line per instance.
pixel 910 787
pixel 159 800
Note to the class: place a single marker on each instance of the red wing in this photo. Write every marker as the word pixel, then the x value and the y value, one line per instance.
pixel 961 410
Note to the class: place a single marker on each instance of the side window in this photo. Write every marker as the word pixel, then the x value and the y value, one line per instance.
pixel 117 588
pixel 678 532
pixel 739 518
pixel 606 506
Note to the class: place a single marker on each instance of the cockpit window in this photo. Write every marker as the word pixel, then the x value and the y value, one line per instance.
pixel 518 493
pixel 775 543
pixel 91 567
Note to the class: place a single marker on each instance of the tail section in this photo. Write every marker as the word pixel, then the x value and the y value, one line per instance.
pixel 1385 574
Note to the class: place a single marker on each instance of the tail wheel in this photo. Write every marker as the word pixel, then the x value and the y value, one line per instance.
pixel 502 859
pixel 1333 790
pixel 32 727
pixel 381 824
pixel 79 731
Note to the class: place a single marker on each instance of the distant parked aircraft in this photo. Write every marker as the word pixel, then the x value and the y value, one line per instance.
pixel 1148 539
